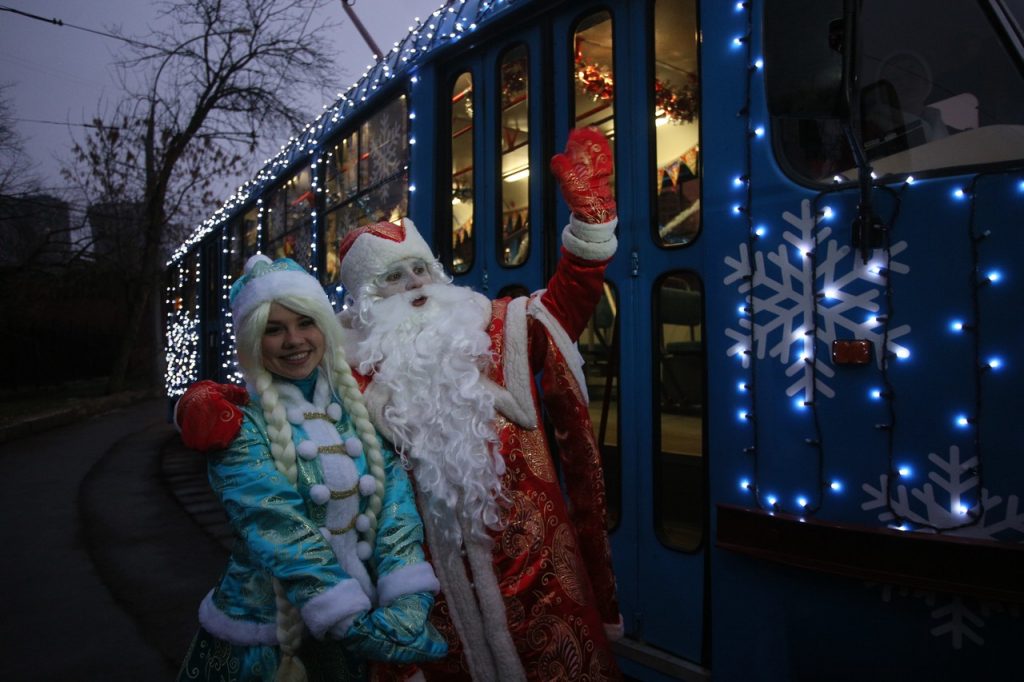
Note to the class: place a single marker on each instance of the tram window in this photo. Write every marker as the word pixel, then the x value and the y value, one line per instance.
pixel 367 179
pixel 679 466
pixel 342 171
pixel 594 101
pixel 676 119
pixel 599 346
pixel 244 237
pixel 514 244
pixel 920 105
pixel 288 219
pixel 462 186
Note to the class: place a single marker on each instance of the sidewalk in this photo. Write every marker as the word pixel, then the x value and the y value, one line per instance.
pixel 111 540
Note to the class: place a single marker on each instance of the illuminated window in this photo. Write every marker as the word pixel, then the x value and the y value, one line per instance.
pixel 676 122
pixel 514 130
pixel 288 220
pixel 462 174
pixel 593 60
pixel 679 411
pixel 367 179
pixel 599 346
pixel 242 242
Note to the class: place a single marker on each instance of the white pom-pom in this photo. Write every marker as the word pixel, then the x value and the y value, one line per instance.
pixel 253 260
pixel 353 446
pixel 295 415
pixel 362 523
pixel 326 533
pixel 363 550
pixel 307 449
pixel 367 485
pixel 334 411
pixel 320 493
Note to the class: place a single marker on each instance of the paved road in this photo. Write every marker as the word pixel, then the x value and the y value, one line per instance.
pixel 110 539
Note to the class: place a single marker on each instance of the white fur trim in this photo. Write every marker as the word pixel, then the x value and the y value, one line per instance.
pixel 363 550
pixel 506 404
pixel 370 255
pixel 273 285
pixel 353 446
pixel 570 351
pixel 295 416
pixel 234 630
pixel 408 579
pixel 615 631
pixel 327 608
pixel 516 368
pixel 590 241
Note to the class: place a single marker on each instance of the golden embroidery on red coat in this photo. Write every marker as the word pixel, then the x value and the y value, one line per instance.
pixel 524 527
pixel 558 651
pixel 535 453
pixel 564 556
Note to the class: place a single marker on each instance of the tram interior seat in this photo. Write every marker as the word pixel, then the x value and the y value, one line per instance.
pixel 682 364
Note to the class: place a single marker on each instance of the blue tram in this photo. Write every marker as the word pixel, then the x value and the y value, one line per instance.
pixel 805 371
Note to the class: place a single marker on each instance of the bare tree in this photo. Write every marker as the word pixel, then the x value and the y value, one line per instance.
pixel 218 77
pixel 16 176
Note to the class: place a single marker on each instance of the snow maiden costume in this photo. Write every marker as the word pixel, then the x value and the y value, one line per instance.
pixel 325 520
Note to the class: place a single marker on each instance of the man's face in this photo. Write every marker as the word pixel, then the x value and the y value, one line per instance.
pixel 405 275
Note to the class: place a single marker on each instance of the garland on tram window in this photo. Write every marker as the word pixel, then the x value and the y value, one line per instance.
pixel 679 104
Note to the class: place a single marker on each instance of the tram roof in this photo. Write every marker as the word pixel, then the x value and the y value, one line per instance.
pixel 446 25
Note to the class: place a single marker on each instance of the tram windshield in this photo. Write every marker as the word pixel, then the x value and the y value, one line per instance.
pixel 938 86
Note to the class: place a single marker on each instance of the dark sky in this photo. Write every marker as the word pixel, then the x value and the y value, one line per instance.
pixel 60 74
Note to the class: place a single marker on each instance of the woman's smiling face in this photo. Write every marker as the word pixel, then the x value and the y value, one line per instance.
pixel 292 344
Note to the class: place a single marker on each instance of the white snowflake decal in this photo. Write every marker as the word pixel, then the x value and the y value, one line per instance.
pixel 956 480
pixel 387 148
pixel 786 303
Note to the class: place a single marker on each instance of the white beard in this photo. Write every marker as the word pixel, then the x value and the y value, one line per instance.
pixel 432 360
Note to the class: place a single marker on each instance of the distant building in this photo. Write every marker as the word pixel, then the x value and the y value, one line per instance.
pixel 35 228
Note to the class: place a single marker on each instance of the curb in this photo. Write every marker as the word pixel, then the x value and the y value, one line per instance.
pixel 85 409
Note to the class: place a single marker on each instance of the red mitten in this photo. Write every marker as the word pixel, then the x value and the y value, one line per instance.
pixel 207 415
pixel 583 171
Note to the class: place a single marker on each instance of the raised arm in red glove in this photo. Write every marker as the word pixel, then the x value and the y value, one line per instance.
pixel 207 415
pixel 583 172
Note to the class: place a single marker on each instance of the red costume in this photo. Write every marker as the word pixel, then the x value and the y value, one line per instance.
pixel 551 562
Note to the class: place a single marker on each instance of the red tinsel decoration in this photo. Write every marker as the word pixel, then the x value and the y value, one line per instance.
pixel 678 105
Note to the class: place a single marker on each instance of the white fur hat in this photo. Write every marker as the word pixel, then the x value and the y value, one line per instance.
pixel 366 252
pixel 265 280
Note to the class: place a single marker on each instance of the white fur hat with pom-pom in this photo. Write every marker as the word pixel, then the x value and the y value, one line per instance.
pixel 266 280
pixel 368 251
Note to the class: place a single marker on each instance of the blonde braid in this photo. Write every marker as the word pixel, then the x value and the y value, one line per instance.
pixel 289 637
pixel 356 407
pixel 289 620
pixel 282 449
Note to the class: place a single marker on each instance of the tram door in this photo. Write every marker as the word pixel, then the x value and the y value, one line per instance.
pixel 511 106
pixel 644 348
